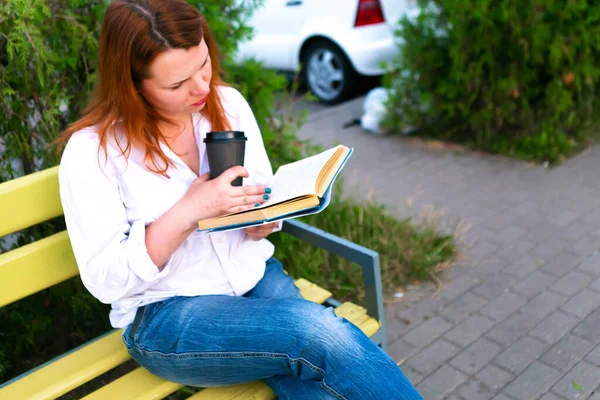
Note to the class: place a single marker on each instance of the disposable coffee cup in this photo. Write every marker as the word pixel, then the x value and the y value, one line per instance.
pixel 225 149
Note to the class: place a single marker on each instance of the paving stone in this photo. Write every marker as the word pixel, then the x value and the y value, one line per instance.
pixel 564 218
pixel 501 307
pixel 588 328
pixel 567 352
pixel 571 283
pixel 535 283
pixel 550 248
pixel 509 235
pixel 413 376
pixel 533 382
pixel 469 330
pixel 459 286
pixel 481 250
pixel 494 377
pixel 543 305
pixel 514 252
pixel 476 356
pixel 511 329
pixel 399 350
pixel 502 396
pixel 461 308
pixel 500 224
pixel 595 285
pixel 441 383
pixel 484 269
pixel 547 236
pixel 576 231
pixel 531 221
pixel 586 246
pixel 459 269
pixel 594 356
pixel 583 303
pixel 433 356
pixel 395 328
pixel 496 285
pixel 551 396
pixel 562 264
pixel 427 332
pixel 580 382
pixel 486 384
pixel 521 354
pixel 524 266
pixel 591 265
pixel 416 313
pixel 553 328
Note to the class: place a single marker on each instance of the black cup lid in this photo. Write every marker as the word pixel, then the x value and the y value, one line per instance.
pixel 224 136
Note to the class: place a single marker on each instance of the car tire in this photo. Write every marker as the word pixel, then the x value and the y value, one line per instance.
pixel 328 73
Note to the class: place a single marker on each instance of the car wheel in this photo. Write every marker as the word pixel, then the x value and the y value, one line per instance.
pixel 328 72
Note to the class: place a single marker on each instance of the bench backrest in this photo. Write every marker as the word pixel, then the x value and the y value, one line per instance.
pixel 25 202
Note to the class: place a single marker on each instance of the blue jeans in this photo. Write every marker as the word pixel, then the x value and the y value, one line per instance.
pixel 299 348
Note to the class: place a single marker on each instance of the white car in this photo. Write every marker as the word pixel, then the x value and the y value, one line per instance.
pixel 335 41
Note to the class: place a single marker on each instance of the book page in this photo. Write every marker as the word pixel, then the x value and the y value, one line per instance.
pixel 298 178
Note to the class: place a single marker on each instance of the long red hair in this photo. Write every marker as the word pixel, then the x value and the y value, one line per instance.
pixel 133 33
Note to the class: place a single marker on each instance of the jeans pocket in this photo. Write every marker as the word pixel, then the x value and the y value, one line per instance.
pixel 149 313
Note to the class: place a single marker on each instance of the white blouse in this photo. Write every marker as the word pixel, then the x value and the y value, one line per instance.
pixel 108 202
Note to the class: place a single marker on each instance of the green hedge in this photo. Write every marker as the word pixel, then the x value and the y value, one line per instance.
pixel 516 77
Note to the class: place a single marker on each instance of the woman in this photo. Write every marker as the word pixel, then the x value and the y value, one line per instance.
pixel 201 310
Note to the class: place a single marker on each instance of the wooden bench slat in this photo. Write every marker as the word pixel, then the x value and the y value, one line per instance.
pixel 359 317
pixel 130 383
pixel 136 385
pixel 70 371
pixel 311 291
pixel 254 390
pixel 303 283
pixel 36 266
pixel 29 200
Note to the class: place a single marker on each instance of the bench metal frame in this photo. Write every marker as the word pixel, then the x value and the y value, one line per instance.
pixel 366 258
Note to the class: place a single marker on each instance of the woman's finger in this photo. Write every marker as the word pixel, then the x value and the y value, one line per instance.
pixel 248 200
pixel 249 191
pixel 233 173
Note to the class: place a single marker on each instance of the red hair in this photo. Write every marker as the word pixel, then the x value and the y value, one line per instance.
pixel 133 33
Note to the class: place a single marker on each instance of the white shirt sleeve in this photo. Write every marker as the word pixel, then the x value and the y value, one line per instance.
pixel 110 250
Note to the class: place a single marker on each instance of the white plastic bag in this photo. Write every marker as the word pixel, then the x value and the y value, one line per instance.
pixel 374 110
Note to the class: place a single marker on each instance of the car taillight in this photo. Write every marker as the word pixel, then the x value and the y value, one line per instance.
pixel 369 13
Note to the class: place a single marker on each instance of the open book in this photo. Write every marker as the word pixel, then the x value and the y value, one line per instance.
pixel 299 188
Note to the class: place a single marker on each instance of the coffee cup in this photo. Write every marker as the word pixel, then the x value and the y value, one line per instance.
pixel 225 149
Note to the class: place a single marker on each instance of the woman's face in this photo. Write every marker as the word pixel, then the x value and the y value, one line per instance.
pixel 178 81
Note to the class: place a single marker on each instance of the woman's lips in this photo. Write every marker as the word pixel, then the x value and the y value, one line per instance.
pixel 200 103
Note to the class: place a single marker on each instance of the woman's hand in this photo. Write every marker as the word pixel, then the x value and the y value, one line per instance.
pixel 261 231
pixel 212 198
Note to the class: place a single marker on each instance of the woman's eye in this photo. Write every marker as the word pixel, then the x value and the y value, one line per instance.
pixel 176 86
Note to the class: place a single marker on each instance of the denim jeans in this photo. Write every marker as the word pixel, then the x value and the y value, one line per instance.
pixel 301 349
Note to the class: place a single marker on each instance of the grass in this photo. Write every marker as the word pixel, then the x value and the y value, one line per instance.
pixel 409 250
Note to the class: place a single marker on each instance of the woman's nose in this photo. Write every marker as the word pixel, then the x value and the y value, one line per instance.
pixel 201 85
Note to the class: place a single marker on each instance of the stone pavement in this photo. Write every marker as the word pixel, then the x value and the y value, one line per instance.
pixel 519 317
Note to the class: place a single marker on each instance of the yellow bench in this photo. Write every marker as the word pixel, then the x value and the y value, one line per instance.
pixel 33 199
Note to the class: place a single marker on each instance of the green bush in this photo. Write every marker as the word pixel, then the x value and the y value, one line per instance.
pixel 516 77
